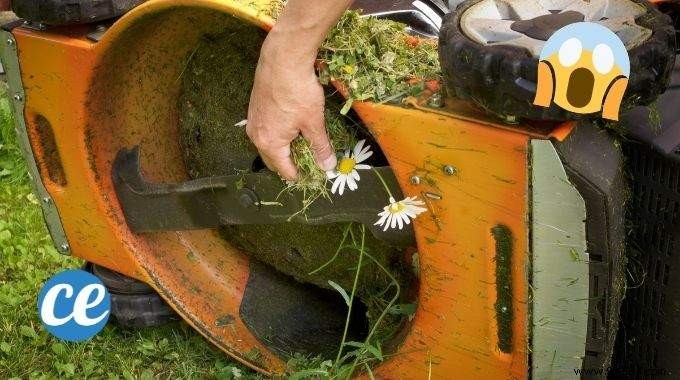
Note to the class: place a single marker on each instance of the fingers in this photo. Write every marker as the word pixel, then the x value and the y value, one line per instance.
pixel 316 134
pixel 281 162
pixel 275 152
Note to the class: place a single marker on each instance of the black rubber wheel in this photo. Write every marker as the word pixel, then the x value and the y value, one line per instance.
pixel 134 304
pixel 70 12
pixel 502 79
pixel 141 310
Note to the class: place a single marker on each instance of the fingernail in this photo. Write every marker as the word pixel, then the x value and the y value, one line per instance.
pixel 329 163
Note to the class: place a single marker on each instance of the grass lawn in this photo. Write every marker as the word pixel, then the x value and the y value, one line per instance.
pixel 28 259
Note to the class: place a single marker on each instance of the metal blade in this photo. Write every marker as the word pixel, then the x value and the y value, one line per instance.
pixel 258 198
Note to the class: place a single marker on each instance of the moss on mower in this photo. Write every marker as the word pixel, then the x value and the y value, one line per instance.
pixel 216 86
pixel 503 237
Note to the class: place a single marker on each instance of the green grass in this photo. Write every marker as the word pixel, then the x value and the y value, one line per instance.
pixel 28 259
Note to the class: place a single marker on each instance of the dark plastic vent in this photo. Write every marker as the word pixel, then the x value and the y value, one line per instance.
pixel 648 342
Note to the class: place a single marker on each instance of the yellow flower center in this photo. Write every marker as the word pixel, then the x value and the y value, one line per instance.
pixel 397 207
pixel 346 165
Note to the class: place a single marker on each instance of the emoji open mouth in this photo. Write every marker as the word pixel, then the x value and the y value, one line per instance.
pixel 580 87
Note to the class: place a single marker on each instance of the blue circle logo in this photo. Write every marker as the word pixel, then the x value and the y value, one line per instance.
pixel 74 305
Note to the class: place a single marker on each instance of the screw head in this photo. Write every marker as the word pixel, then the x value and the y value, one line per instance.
pixel 18 97
pixel 47 200
pixel 64 247
pixel 511 119
pixel 504 309
pixel 10 42
pixel 415 180
pixel 449 170
pixel 436 100
pixel 247 198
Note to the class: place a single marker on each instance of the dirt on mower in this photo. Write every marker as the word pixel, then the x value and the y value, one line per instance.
pixel 216 86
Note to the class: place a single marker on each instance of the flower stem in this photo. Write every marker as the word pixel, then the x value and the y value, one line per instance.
pixel 337 252
pixel 385 311
pixel 387 188
pixel 351 298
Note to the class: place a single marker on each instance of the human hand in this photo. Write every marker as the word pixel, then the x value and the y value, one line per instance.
pixel 287 100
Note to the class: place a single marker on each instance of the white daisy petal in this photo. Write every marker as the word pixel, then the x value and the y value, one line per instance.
pixel 347 153
pixel 393 223
pixel 355 175
pixel 361 157
pixel 392 200
pixel 400 220
pixel 410 214
pixel 351 183
pixel 388 221
pixel 407 219
pixel 343 182
pixel 382 219
pixel 336 183
pixel 362 167
pixel 332 174
pixel 416 210
pixel 359 147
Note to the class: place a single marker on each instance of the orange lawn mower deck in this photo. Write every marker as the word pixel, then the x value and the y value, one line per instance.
pixel 501 198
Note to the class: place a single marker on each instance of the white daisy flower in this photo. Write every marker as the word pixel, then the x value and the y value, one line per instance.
pixel 346 172
pixel 241 123
pixel 396 214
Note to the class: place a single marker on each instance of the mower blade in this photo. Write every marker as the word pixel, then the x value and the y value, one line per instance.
pixel 256 198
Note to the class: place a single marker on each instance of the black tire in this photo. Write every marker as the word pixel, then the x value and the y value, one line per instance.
pixel 141 310
pixel 134 304
pixel 502 79
pixel 70 12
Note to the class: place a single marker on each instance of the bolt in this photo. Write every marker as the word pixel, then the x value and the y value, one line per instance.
pixel 64 247
pixel 433 196
pixel 449 170
pixel 511 119
pixel 18 97
pixel 436 100
pixel 10 42
pixel 504 309
pixel 247 198
pixel 47 200
pixel 415 180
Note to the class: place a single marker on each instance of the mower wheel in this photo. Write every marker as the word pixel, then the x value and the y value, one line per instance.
pixel 489 51
pixel 70 12
pixel 134 304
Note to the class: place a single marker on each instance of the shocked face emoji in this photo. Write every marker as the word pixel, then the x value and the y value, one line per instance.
pixel 583 68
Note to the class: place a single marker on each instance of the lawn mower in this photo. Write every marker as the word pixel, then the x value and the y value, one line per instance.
pixel 521 254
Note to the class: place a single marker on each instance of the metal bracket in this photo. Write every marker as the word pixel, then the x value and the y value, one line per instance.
pixel 10 62
pixel 252 198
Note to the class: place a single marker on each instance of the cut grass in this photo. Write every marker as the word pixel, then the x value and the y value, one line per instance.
pixel 28 259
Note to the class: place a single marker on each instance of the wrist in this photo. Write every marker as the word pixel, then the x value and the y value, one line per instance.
pixel 290 46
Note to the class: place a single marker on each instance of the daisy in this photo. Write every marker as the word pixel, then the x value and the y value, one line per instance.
pixel 346 172
pixel 400 213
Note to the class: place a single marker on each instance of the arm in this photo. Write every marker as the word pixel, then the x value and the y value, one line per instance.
pixel 287 98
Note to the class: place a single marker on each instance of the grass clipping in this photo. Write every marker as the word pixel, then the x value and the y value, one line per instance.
pixel 376 61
